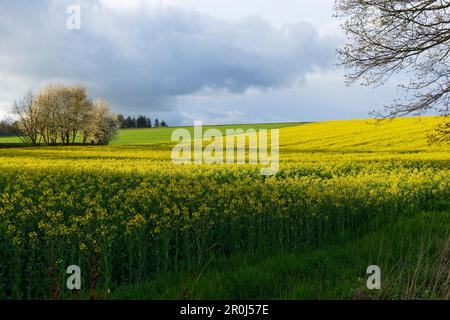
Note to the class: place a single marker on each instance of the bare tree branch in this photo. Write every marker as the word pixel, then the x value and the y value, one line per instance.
pixel 388 37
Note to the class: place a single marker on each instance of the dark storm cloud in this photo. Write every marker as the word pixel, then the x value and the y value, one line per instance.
pixel 144 59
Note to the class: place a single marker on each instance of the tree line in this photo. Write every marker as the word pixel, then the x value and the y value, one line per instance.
pixel 140 121
pixel 7 128
pixel 61 114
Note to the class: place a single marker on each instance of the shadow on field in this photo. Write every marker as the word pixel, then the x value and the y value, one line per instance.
pixel 23 145
pixel 14 145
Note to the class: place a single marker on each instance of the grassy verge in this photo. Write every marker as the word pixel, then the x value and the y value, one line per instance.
pixel 412 253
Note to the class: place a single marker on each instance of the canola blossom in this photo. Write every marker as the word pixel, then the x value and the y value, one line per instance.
pixel 125 214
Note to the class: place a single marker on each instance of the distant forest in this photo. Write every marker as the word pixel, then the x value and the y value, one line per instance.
pixel 8 127
pixel 139 122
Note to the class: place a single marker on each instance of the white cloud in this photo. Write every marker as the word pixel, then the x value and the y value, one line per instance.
pixel 144 58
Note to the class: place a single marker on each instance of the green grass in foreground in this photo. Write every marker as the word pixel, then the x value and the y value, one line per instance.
pixel 412 253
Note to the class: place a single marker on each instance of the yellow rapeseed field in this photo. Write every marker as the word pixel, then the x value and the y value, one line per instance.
pixel 127 213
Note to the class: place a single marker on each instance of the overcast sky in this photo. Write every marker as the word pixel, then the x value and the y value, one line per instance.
pixel 220 61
